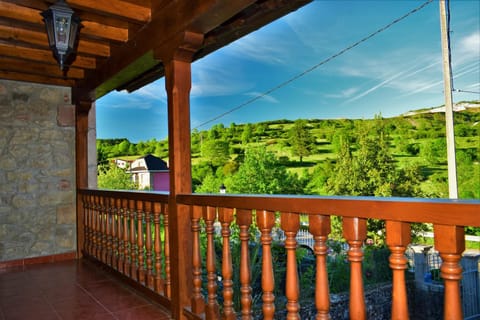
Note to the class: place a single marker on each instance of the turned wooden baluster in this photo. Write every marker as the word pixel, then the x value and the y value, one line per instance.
pixel 120 249
pixel 91 223
pixel 197 300
pixel 398 237
pixel 133 248
pixel 157 211
pixel 355 232
pixel 83 199
pixel 96 228
pixel 244 220
pixel 290 223
pixel 108 231
pixel 319 227
pixel 88 224
pixel 211 310
pixel 450 242
pixel 103 229
pixel 133 241
pixel 113 233
pixel 126 243
pixel 148 244
pixel 225 216
pixel 265 222
pixel 140 248
pixel 168 281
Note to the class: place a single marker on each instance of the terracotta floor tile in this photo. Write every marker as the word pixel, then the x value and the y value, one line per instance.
pixel 150 312
pixel 74 290
pixel 30 311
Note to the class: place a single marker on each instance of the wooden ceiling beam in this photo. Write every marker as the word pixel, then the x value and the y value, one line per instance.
pixel 19 66
pixel 90 28
pixel 43 56
pixel 102 31
pixel 15 76
pixel 117 8
pixel 226 10
pixel 40 39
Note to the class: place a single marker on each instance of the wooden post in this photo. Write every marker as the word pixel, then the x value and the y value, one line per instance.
pixel 82 110
pixel 177 57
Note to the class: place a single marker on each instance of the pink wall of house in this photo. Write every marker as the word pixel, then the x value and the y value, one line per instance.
pixel 161 181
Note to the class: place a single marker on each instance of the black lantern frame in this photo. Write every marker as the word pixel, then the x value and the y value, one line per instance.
pixel 62 25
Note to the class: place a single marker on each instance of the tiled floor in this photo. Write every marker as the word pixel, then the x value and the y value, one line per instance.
pixel 70 290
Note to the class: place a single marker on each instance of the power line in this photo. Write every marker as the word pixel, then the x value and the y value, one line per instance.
pixel 283 84
pixel 466 91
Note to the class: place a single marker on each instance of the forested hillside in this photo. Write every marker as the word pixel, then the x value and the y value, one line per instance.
pixel 401 156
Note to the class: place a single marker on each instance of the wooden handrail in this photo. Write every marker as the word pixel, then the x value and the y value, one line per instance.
pixel 447 216
pixel 437 211
pixel 129 231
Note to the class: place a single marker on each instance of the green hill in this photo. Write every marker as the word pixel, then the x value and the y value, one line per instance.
pixel 415 139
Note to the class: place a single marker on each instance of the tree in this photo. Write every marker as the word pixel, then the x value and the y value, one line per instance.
pixel 300 139
pixel 114 178
pixel 371 171
pixel 247 133
pixel 217 152
pixel 123 147
pixel 261 173
pixel 317 181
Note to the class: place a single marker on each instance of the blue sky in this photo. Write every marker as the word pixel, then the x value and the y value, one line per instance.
pixel 391 73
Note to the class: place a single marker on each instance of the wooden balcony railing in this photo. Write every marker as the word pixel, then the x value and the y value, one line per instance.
pixel 129 232
pixel 447 216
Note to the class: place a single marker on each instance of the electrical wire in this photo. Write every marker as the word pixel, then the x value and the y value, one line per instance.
pixel 283 84
pixel 466 91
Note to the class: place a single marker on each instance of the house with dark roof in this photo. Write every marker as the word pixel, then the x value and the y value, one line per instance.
pixel 150 172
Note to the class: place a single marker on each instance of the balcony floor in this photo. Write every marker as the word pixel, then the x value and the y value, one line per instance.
pixel 71 290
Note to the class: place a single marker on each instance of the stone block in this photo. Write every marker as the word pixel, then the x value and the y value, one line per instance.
pixel 65 237
pixel 64 185
pixel 66 214
pixel 66 116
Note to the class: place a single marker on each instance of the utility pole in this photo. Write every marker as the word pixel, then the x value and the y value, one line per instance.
pixel 447 80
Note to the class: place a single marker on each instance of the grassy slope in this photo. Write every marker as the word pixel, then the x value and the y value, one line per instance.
pixel 275 137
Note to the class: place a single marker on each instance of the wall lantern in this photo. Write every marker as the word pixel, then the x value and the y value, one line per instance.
pixel 62 26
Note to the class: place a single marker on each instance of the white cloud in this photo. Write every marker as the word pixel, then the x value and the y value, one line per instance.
pixel 217 79
pixel 343 94
pixel 469 46
pixel 474 85
pixel 155 91
pixel 394 76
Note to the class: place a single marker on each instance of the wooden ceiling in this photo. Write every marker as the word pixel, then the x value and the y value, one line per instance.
pixel 119 37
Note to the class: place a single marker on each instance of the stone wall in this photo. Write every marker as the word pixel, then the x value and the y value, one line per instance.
pixel 37 171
